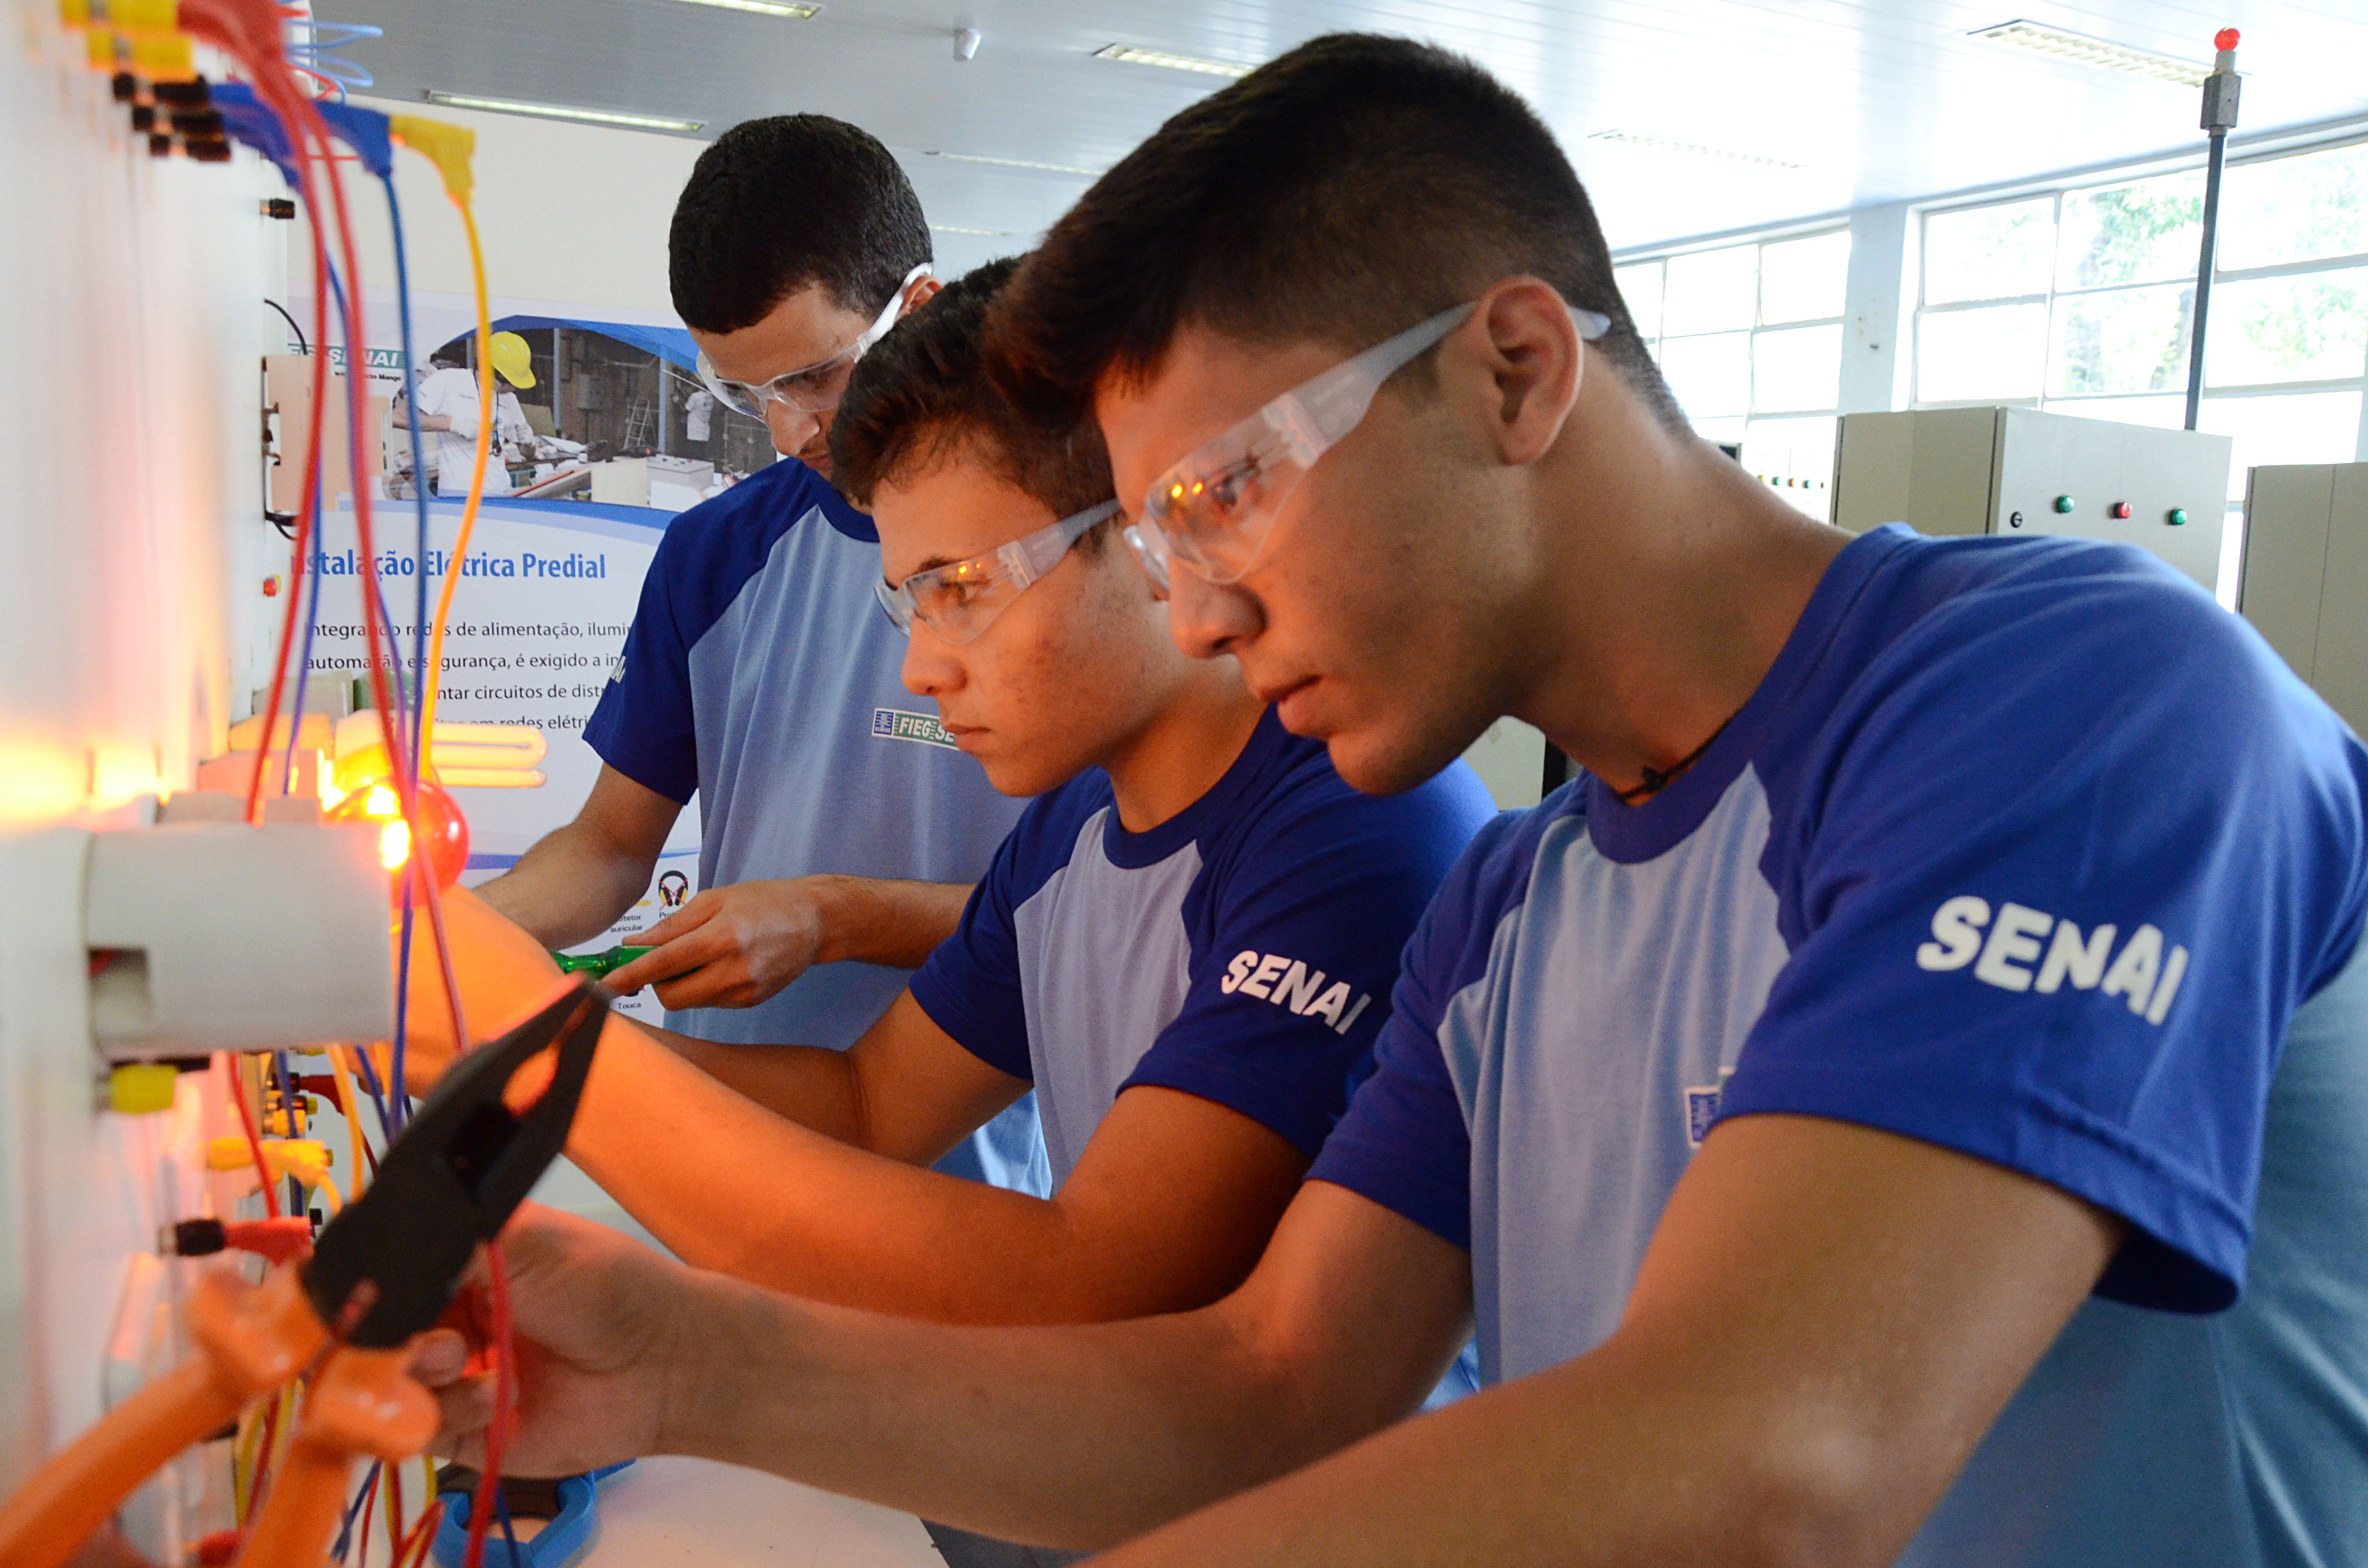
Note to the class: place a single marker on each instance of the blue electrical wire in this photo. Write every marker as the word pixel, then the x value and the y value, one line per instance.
pixel 323 37
pixel 419 471
pixel 370 1085
pixel 420 626
pixel 304 659
pixel 288 1114
pixel 354 1512
pixel 398 1102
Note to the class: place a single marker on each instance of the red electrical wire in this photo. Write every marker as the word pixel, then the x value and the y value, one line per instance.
pixel 369 1505
pixel 253 1143
pixel 422 1536
pixel 394 1473
pixel 498 1432
pixel 249 30
pixel 262 1478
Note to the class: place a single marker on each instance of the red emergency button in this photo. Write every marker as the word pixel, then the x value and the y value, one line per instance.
pixel 2120 509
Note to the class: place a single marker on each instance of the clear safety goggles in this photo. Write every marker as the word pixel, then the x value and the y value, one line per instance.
pixel 1214 509
pixel 961 599
pixel 819 386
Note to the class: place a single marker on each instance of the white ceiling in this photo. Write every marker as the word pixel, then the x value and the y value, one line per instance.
pixel 1882 99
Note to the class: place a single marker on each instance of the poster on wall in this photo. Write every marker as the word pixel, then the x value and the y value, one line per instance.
pixel 605 437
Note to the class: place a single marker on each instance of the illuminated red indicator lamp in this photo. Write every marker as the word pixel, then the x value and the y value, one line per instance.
pixel 2120 509
pixel 437 827
pixel 2225 38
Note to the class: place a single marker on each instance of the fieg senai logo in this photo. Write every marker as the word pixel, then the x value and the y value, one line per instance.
pixel 2140 972
pixel 1287 983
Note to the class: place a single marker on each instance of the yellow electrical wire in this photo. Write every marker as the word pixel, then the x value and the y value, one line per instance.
pixel 354 1133
pixel 241 1462
pixel 432 676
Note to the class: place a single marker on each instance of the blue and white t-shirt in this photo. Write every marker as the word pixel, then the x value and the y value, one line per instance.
pixel 760 673
pixel 1241 951
pixel 2022 847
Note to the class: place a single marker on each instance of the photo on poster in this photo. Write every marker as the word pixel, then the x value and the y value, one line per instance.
pixel 602 435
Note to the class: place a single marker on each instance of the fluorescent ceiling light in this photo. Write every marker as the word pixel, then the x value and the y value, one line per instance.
pixel 957 229
pixel 796 10
pixel 562 111
pixel 1131 56
pixel 2055 41
pixel 1017 163
pixel 1693 150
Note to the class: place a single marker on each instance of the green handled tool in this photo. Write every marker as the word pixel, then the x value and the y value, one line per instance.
pixel 598 965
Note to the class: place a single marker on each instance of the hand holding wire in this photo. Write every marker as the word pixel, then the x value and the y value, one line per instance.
pixel 599 1328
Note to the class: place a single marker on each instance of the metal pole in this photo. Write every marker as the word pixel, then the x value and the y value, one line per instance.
pixel 2204 273
pixel 2220 90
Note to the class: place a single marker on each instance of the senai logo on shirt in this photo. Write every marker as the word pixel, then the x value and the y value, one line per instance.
pixel 1287 983
pixel 2139 972
pixel 894 725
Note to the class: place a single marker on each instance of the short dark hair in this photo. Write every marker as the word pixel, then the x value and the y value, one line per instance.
pixel 1342 193
pixel 923 396
pixel 778 204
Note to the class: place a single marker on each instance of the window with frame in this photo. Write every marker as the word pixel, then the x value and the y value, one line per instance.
pixel 1750 338
pixel 2081 300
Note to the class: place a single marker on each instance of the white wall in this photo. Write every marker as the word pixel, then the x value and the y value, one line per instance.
pixel 577 214
pixel 567 213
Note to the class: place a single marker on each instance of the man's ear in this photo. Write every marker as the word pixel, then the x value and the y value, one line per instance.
pixel 1531 351
pixel 920 294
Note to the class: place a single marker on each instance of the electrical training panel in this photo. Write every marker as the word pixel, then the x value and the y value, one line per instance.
pixel 2016 471
pixel 2305 579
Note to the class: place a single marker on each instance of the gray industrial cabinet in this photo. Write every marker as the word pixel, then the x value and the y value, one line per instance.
pixel 2304 583
pixel 2008 470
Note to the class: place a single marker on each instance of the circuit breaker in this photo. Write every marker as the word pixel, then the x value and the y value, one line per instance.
pixel 2305 582
pixel 2009 470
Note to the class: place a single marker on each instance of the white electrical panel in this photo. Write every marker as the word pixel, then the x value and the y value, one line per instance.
pixel 2016 471
pixel 1510 757
pixel 2304 580
pixel 132 295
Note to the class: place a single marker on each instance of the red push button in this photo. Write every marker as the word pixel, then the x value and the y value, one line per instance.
pixel 2120 509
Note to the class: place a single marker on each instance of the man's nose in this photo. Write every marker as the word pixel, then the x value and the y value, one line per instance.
pixel 791 428
pixel 1211 619
pixel 932 669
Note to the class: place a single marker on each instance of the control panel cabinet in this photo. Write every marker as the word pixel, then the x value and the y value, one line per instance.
pixel 2304 582
pixel 2014 470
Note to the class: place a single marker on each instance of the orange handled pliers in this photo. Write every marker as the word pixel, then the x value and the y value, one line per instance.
pixel 380 1272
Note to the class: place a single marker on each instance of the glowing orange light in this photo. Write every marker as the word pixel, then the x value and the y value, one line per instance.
pixel 436 822
pixel 1176 492
pixel 1198 486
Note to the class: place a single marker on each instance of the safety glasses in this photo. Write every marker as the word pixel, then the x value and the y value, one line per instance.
pixel 1214 510
pixel 818 387
pixel 961 599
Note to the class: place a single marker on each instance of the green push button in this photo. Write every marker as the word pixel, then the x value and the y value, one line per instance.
pixel 2063 503
pixel 2177 517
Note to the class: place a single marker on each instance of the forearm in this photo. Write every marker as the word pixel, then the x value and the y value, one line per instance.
pixel 809 1084
pixel 1071 1438
pixel 1579 1466
pixel 732 1186
pixel 873 920
pixel 570 887
pixel 1826 1324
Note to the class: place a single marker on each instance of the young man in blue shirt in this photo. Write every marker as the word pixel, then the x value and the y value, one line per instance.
pixel 839 834
pixel 1183 945
pixel 1902 1104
